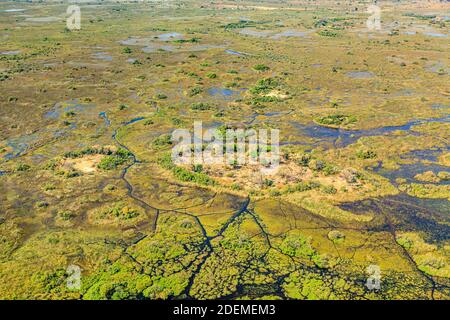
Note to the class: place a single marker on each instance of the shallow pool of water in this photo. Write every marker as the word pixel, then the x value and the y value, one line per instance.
pixel 360 74
pixel 407 213
pixel 236 53
pixel 423 162
pixel 148 41
pixel 104 116
pixel 435 35
pixel 254 33
pixel 14 10
pixel 20 144
pixel 290 33
pixel 169 36
pixel 429 155
pixel 70 106
pixel 224 93
pixel 438 67
pixel 343 137
pixel 157 47
pixel 410 170
pixel 133 120
pixel 102 56
pixel 10 53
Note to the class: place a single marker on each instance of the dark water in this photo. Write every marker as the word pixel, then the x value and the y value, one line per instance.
pixel 133 120
pixel 429 155
pixel 105 117
pixel 73 106
pixel 273 114
pixel 236 53
pixel 406 213
pixel 410 170
pixel 343 137
pixel 224 93
pixel 20 144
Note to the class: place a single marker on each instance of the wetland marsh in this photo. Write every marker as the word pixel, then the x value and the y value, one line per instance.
pixel 86 176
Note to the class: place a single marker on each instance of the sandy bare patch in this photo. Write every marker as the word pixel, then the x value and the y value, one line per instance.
pixel 87 164
pixel 289 173
pixel 277 94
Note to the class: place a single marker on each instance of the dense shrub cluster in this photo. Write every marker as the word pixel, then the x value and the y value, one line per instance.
pixel 184 174
pixel 113 161
pixel 264 86
pixel 336 119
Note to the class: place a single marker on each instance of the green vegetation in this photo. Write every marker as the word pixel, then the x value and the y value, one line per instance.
pixel 66 215
pixel 239 25
pixel 184 174
pixel 161 96
pixel 303 186
pixel 261 67
pixel 85 152
pixel 336 120
pixel 162 141
pixel 201 106
pixel 114 160
pixel 264 86
pixel 366 154
pixel 192 40
pixel 327 33
pixel 195 91
pixel 22 167
pixel 120 211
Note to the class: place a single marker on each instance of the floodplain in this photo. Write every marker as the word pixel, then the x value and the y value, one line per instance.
pixel 86 177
